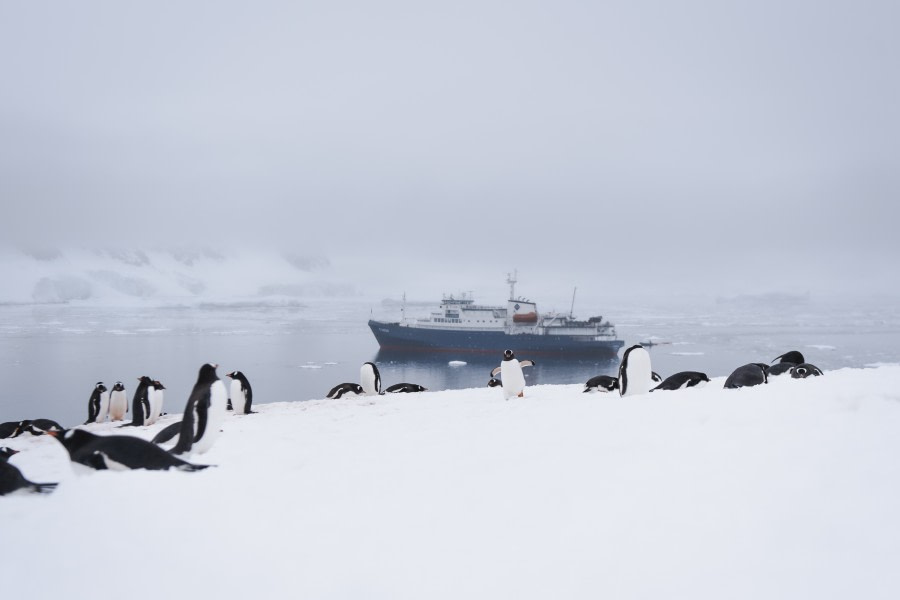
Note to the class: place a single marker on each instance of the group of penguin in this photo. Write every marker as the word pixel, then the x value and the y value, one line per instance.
pixel 636 377
pixel 198 429
pixel 208 404
pixel 370 384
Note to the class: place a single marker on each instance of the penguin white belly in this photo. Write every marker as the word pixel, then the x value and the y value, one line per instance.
pixel 639 374
pixel 368 380
pixel 151 406
pixel 238 398
pixel 157 405
pixel 118 405
pixel 218 402
pixel 512 377
pixel 104 407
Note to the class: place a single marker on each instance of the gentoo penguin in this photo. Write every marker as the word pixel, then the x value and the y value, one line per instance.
pixel 241 393
pixel 511 377
pixel 345 388
pixel 494 382
pixel 12 480
pixel 788 360
pixel 684 379
pixel 601 383
pixel 203 413
pixel 118 402
pixel 405 388
pixel 140 403
pixel 155 395
pixel 804 370
pixel 370 378
pixel 118 452
pixel 635 376
pixel 98 404
pixel 39 426
pixel 747 375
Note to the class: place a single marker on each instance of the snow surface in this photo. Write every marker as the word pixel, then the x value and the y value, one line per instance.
pixel 789 490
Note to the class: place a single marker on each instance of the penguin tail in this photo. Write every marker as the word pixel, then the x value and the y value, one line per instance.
pixel 43 488
pixel 192 467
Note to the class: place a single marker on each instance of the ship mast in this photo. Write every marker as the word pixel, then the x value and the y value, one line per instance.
pixel 572 310
pixel 511 280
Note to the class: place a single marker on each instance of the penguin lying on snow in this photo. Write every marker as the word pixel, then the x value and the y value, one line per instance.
pixel 203 413
pixel 10 429
pixel 12 480
pixel 635 375
pixel 494 382
pixel 119 452
pixel 241 393
pixel 511 377
pixel 785 364
pixel 601 383
pixel 684 379
pixel 344 388
pixel 98 404
pixel 405 388
pixel 39 426
pixel 748 375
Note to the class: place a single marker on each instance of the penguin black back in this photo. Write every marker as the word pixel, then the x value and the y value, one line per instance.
pixel 12 480
pixel 405 388
pixel 140 403
pixel 601 383
pixel 196 411
pixel 344 388
pixel 683 379
pixel 119 452
pixel 747 375
pixel 94 402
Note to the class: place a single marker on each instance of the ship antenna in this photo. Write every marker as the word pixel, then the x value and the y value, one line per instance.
pixel 403 308
pixel 572 310
pixel 511 280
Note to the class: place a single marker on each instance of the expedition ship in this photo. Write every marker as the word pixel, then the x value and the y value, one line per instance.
pixel 460 325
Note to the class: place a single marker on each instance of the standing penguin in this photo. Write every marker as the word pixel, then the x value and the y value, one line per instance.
pixel 203 413
pixel 241 393
pixel 98 404
pixel 635 375
pixel 118 402
pixel 370 378
pixel 511 376
pixel 156 401
pixel 140 409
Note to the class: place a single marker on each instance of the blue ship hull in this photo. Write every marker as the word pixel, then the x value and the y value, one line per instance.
pixel 392 336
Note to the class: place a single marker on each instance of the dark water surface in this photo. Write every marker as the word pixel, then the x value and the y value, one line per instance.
pixel 51 356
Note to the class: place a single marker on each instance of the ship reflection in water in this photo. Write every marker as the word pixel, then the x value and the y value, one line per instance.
pixel 449 371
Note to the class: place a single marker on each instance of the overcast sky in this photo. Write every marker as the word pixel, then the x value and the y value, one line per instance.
pixel 733 146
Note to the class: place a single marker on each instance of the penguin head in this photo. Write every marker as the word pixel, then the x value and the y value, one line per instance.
pixel 72 439
pixel 5 453
pixel 234 375
pixel 655 376
pixel 494 382
pixel 207 373
pixel 118 387
pixel 100 387
pixel 145 380
pixel 419 388
pixel 158 385
pixel 792 357
pixel 508 355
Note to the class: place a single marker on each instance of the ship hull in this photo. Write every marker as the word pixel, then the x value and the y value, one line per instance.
pixel 393 336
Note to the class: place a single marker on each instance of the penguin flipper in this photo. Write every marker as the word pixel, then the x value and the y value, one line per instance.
pixel 495 371
pixel 526 363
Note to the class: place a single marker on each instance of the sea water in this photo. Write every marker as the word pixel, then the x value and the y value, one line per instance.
pixel 52 355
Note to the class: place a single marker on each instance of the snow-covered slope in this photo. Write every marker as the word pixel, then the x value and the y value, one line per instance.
pixel 788 490
pixel 121 276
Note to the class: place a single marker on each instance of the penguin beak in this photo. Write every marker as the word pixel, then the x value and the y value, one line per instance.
pixel 54 433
